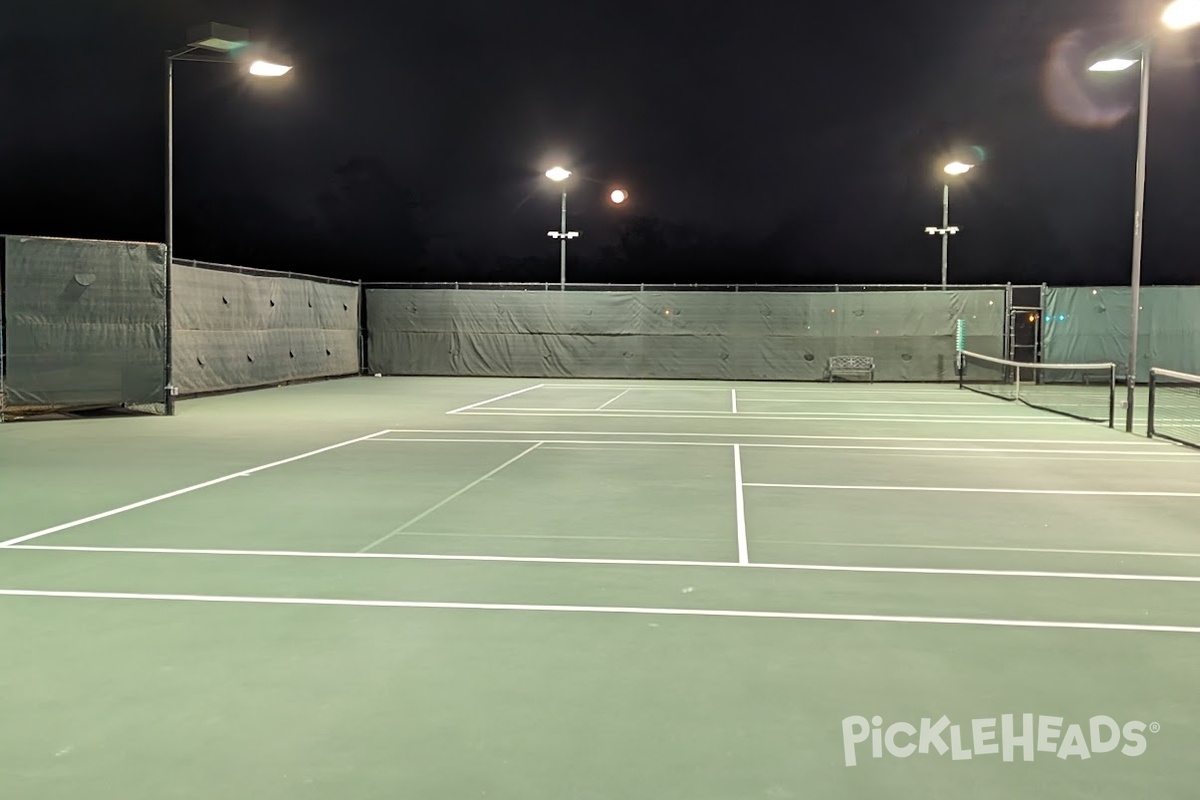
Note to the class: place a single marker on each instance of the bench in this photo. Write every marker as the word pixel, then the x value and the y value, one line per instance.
pixel 851 365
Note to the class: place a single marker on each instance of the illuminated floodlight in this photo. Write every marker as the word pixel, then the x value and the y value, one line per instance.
pixel 958 168
pixel 558 174
pixel 619 196
pixel 1182 14
pixel 1113 65
pixel 269 69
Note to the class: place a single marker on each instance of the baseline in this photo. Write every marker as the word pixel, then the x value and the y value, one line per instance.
pixel 989 549
pixel 1123 455
pixel 966 489
pixel 1008 420
pixel 1147 445
pixel 568 609
pixel 622 562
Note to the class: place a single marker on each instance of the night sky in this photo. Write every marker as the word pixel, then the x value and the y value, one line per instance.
pixel 762 141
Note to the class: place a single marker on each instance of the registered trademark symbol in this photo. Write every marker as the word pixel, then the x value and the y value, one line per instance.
pixel 1155 727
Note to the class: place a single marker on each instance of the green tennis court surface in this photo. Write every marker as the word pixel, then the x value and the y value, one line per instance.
pixel 450 588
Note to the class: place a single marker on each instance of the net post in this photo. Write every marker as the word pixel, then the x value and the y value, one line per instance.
pixel 1112 397
pixel 960 344
pixel 1150 405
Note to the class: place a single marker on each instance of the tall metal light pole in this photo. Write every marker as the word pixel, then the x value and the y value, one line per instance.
pixel 1179 15
pixel 947 230
pixel 1139 199
pixel 211 43
pixel 558 175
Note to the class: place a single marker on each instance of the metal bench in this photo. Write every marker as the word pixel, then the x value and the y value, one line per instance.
pixel 851 365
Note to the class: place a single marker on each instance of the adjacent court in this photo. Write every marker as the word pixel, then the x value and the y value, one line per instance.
pixel 422 587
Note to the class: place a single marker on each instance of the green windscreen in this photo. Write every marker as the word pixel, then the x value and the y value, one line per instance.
pixel 1085 324
pixel 235 328
pixel 676 334
pixel 85 326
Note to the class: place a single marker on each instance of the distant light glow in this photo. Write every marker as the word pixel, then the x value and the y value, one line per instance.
pixel 619 196
pixel 958 168
pixel 268 69
pixel 1113 64
pixel 1182 14
pixel 558 174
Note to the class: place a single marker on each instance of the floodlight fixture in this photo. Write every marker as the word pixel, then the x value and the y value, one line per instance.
pixel 1114 64
pixel 269 69
pixel 1181 15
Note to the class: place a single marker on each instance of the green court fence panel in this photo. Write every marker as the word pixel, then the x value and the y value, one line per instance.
pixel 742 335
pixel 85 325
pixel 1090 324
pixel 235 328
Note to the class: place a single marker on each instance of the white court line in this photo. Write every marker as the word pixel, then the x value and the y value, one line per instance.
pixel 733 393
pixel 1007 420
pixel 740 502
pixel 240 474
pixel 807 387
pixel 494 399
pixel 1121 440
pixel 979 548
pixel 625 562
pixel 615 399
pixel 828 400
pixel 566 609
pixel 1072 492
pixel 1125 455
pixel 800 414
pixel 436 506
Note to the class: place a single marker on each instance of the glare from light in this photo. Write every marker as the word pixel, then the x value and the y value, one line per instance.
pixel 1182 14
pixel 1113 64
pixel 619 196
pixel 558 174
pixel 268 69
pixel 958 168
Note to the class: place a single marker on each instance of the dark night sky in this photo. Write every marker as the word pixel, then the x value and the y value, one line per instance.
pixel 762 140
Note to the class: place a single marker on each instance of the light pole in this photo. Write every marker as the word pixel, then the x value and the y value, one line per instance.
pixel 947 230
pixel 1180 15
pixel 212 43
pixel 558 175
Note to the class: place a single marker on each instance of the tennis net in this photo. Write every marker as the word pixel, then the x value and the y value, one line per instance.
pixel 1174 411
pixel 1082 391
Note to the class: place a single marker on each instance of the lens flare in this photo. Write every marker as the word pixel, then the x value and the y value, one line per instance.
pixel 1069 94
